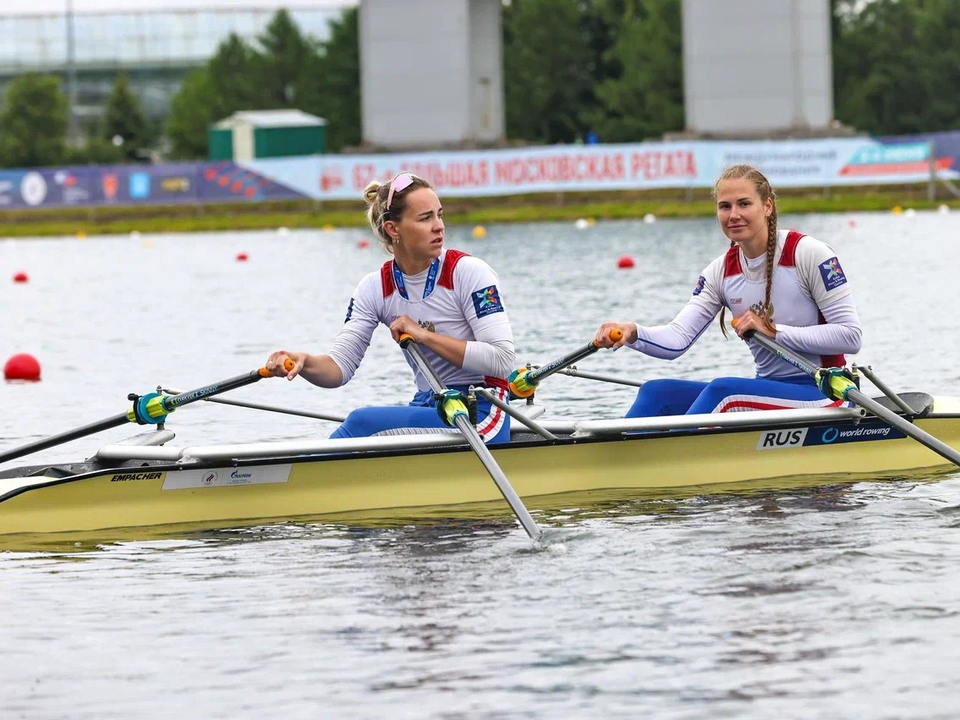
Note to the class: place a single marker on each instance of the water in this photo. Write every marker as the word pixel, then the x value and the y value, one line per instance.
pixel 837 601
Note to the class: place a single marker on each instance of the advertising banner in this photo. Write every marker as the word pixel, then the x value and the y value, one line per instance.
pixel 558 168
pixel 643 166
pixel 163 184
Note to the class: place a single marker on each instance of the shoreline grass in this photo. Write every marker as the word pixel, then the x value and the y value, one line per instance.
pixel 617 205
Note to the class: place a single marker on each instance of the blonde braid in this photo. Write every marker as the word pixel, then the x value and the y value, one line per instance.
pixel 771 251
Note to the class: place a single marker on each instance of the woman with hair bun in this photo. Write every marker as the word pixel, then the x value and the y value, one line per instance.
pixel 783 284
pixel 448 301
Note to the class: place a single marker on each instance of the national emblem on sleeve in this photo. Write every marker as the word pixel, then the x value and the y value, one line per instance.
pixel 700 284
pixel 487 301
pixel 832 274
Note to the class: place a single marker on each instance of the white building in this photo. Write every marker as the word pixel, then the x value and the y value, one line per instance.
pixel 155 43
pixel 757 67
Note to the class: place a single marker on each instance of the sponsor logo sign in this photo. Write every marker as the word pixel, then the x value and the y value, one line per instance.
pixel 33 188
pixel 830 435
pixel 136 476
pixel 225 477
pixel 139 185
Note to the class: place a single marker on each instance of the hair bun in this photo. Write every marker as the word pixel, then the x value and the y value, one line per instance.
pixel 371 190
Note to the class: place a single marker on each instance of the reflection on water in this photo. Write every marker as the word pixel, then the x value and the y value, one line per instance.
pixel 836 600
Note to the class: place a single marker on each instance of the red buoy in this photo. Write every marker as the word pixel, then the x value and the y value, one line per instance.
pixel 22 367
pixel 625 261
pixel 362 243
pixel 241 257
pixel 20 277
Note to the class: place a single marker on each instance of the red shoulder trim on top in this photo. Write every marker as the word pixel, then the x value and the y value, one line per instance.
pixel 449 265
pixel 386 279
pixel 731 264
pixel 788 258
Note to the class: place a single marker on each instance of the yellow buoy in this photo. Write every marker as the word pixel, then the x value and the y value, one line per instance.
pixel 479 232
pixel 897 210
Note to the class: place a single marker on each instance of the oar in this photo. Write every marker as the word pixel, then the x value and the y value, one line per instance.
pixel 457 412
pixel 842 387
pixel 576 372
pixel 268 408
pixel 523 382
pixel 151 408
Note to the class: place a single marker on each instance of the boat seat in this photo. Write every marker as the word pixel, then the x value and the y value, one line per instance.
pixel 920 402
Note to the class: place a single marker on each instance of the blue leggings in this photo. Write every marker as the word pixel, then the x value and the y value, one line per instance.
pixel 726 394
pixel 493 425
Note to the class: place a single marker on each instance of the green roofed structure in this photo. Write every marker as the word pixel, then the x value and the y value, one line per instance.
pixel 250 134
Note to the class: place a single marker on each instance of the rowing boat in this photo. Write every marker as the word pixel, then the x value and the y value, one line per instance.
pixel 148 481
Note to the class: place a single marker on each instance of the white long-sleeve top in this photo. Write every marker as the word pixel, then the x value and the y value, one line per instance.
pixel 459 297
pixel 813 307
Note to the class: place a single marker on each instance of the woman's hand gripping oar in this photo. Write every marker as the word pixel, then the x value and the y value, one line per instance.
pixel 836 385
pixel 523 382
pixel 457 414
pixel 151 408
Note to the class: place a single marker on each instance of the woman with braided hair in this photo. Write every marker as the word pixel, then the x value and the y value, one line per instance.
pixel 780 283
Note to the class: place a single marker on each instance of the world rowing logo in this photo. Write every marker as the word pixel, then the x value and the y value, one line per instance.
pixel 487 301
pixel 701 281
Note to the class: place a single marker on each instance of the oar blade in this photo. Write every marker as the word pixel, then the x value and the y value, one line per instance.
pixel 473 438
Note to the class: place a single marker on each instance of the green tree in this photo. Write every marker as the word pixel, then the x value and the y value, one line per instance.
pixel 643 98
pixel 33 124
pixel 190 117
pixel 548 63
pixel 938 32
pixel 234 77
pixel 228 83
pixel 879 67
pixel 280 64
pixel 336 89
pixel 123 118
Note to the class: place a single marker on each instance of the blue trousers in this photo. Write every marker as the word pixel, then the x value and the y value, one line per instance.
pixel 493 425
pixel 726 394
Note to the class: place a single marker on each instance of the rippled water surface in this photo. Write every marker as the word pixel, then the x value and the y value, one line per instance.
pixel 831 601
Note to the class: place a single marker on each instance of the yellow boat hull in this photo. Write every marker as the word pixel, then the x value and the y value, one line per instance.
pixel 451 480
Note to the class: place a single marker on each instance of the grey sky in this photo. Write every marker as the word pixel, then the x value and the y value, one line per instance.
pixel 42 7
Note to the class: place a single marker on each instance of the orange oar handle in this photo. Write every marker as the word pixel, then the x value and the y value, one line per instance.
pixel 614 335
pixel 288 365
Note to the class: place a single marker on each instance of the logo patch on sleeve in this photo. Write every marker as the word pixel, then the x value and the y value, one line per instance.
pixel 700 283
pixel 487 301
pixel 832 274
pixel 349 312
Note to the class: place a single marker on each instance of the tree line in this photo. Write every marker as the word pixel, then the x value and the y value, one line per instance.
pixel 572 68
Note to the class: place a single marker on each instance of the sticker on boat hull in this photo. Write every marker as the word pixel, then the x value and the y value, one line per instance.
pixel 225 477
pixel 832 435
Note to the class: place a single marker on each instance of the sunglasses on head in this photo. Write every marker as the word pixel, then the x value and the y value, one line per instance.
pixel 400 183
